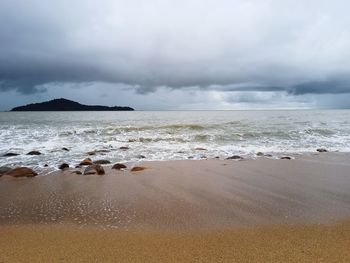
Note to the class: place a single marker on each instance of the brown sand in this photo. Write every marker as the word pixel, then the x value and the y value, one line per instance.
pixel 197 211
pixel 260 244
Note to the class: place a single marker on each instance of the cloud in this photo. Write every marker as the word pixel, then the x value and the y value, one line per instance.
pixel 299 47
pixel 320 87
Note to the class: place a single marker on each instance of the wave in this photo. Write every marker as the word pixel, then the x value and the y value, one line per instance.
pixel 319 131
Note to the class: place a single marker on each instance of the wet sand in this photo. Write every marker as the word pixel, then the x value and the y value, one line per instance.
pixel 198 211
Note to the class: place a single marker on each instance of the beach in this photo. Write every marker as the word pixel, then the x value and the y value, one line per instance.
pixel 178 211
pixel 174 131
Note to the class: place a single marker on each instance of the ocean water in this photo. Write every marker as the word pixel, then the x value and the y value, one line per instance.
pixel 167 135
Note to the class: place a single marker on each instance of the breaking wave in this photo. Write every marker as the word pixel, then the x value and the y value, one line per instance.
pixel 167 135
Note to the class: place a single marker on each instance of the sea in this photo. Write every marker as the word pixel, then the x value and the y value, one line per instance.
pixel 167 135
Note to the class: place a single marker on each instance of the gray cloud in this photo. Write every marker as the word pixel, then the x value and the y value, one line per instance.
pixel 320 87
pixel 300 47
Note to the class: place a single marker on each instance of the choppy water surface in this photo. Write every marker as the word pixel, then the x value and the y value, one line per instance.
pixel 167 135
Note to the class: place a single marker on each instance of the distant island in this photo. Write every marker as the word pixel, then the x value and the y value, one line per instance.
pixel 67 105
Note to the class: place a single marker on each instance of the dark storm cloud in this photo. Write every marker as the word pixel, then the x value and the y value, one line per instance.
pixel 320 87
pixel 224 45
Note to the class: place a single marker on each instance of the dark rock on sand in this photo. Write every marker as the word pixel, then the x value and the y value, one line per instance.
pixel 137 169
pixel 97 151
pixel 21 172
pixel 34 153
pixel 86 161
pixel 102 162
pixel 259 154
pixel 140 156
pixel 93 169
pixel 124 148
pixel 119 166
pixel 10 154
pixel 234 157
pixel 322 150
pixel 4 169
pixel 65 149
pixel 46 165
pixel 286 158
pixel 63 166
pixel 132 140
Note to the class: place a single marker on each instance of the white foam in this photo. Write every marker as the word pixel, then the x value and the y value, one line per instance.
pixel 168 135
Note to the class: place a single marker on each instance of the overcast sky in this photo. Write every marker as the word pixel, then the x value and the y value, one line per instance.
pixel 178 54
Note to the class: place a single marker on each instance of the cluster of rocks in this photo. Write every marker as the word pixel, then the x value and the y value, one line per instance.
pixel 95 167
pixel 11 154
pixel 261 154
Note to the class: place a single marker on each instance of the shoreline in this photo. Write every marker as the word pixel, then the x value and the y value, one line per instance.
pixel 187 194
pixel 43 170
pixel 263 210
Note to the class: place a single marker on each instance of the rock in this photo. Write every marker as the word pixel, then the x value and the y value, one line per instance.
pixel 322 150
pixel 286 158
pixel 200 149
pixel 90 172
pixel 78 166
pixel 93 169
pixel 268 155
pixel 4 169
pixel 97 151
pixel 77 172
pixel 259 154
pixel 34 153
pixel 10 154
pixel 140 156
pixel 190 157
pixel 119 166
pixel 137 169
pixel 234 157
pixel 46 165
pixel 204 157
pixel 65 149
pixel 132 140
pixel 21 172
pixel 102 162
pixel 217 157
pixel 86 161
pixel 124 148
pixel 63 166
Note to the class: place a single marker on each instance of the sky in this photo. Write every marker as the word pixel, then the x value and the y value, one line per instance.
pixel 178 54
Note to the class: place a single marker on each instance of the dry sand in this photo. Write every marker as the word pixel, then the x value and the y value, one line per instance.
pixel 310 243
pixel 183 211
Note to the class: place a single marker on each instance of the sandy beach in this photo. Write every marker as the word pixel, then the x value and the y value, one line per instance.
pixel 183 211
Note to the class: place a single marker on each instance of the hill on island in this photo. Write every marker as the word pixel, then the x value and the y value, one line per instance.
pixel 67 105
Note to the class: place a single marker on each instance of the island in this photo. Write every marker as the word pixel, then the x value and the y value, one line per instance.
pixel 67 105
